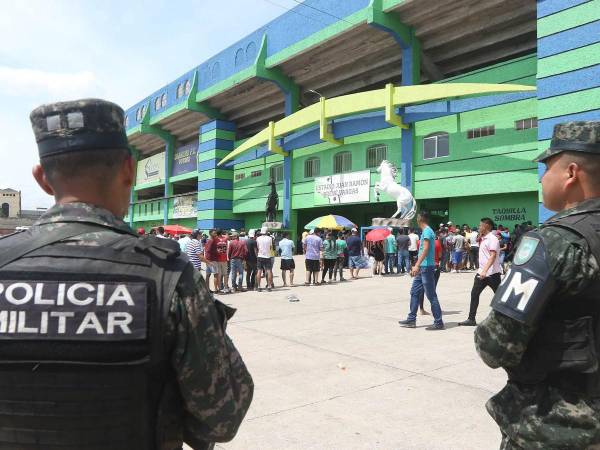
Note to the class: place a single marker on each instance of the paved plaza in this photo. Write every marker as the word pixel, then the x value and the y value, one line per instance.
pixel 335 370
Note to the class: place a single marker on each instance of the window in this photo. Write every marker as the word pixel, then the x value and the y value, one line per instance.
pixel 276 173
pixel 151 208
pixel 375 155
pixel 436 145
pixel 525 124
pixel 256 173
pixel 126 121
pixel 240 176
pixel 188 86
pixel 179 92
pixel 156 103
pixel 163 100
pixel 312 167
pixel 342 162
pixel 481 132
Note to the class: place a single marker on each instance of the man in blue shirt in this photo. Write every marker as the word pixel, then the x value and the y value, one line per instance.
pixel 286 246
pixel 424 273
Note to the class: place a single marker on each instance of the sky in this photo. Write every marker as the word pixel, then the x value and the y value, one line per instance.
pixel 53 50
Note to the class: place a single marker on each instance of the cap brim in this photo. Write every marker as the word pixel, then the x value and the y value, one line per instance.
pixel 547 154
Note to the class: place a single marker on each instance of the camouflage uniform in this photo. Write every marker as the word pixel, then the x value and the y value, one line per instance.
pixel 542 415
pixel 214 384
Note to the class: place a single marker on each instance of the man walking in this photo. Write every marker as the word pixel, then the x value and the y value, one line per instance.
pixel 286 247
pixel 390 253
pixel 489 273
pixel 313 245
pixel 424 273
pixel 236 254
pixel 355 261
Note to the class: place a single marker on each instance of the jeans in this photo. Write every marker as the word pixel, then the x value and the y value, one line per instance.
pixel 389 262
pixel 251 274
pixel 437 278
pixel 425 281
pixel 474 257
pixel 403 261
pixel 237 272
pixel 328 266
pixel 479 284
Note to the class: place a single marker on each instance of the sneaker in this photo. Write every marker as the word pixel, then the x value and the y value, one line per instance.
pixel 436 327
pixel 259 289
pixel 467 323
pixel 408 323
pixel 269 289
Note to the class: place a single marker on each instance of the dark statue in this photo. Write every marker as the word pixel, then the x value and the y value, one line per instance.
pixel 272 202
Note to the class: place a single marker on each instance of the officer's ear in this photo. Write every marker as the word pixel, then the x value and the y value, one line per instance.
pixel 42 179
pixel 128 171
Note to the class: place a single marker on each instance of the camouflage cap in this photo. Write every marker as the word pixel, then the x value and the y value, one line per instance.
pixel 88 124
pixel 574 137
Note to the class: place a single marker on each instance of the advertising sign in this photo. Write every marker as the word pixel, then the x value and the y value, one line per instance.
pixel 185 159
pixel 151 169
pixel 352 187
pixel 184 206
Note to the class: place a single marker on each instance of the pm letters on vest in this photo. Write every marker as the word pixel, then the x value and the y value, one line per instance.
pixel 518 288
pixel 89 311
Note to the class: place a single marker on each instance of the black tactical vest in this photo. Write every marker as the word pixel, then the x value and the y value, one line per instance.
pixel 84 354
pixel 565 351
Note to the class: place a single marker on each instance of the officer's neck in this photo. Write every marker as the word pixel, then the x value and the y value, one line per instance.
pixel 104 202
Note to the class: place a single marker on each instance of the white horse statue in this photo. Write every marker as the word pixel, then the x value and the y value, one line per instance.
pixel 407 206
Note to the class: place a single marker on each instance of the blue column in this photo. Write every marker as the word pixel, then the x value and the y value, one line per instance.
pixel 168 187
pixel 407 153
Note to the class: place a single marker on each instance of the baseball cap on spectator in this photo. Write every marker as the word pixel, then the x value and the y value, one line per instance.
pixel 252 232
pixel 264 230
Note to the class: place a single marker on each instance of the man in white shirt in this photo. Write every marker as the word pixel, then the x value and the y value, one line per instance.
pixel 489 270
pixel 413 248
pixel 264 263
pixel 474 250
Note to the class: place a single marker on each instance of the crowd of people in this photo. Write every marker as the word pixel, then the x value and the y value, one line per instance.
pixel 240 260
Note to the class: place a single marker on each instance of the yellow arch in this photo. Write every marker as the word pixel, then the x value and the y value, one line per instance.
pixel 388 99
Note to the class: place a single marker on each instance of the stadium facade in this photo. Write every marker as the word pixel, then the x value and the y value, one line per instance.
pixel 273 96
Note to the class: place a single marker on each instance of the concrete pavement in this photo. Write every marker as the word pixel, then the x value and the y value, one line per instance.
pixel 336 371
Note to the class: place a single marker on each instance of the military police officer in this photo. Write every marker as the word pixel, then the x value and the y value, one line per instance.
pixel 107 340
pixel 544 327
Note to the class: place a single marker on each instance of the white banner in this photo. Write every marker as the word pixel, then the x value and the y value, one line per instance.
pixel 151 169
pixel 352 187
pixel 184 207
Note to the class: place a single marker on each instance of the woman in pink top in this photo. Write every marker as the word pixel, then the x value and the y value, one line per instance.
pixel 489 270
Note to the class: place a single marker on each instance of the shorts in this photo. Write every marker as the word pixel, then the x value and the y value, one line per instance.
pixel 264 264
pixel 357 262
pixel 287 264
pixel 457 256
pixel 313 265
pixel 219 267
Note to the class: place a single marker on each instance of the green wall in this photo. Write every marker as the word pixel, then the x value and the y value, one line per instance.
pixel 503 209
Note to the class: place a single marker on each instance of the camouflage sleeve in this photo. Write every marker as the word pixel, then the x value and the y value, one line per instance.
pixel 569 259
pixel 215 385
pixel 502 341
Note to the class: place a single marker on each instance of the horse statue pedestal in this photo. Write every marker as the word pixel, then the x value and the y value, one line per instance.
pixel 385 222
pixel 273 225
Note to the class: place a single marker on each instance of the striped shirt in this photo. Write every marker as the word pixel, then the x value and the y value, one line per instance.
pixel 193 249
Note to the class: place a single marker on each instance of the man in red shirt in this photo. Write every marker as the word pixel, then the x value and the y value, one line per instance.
pixel 222 242
pixel 210 253
pixel 236 254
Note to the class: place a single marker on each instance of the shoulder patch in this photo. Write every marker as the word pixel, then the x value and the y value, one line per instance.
pixel 526 250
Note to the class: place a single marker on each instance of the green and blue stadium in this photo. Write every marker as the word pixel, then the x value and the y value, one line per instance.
pixel 331 88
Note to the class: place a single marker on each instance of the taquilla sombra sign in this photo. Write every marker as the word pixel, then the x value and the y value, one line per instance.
pixel 74 310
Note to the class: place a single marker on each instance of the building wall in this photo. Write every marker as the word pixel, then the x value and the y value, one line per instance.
pixel 568 67
pixel 13 200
